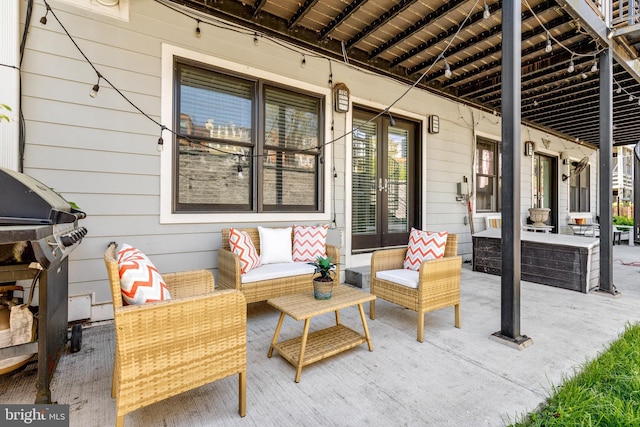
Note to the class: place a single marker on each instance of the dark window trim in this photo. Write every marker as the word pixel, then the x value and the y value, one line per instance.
pixel 258 146
pixel 497 173
pixel 579 203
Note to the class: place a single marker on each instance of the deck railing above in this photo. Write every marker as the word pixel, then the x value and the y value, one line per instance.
pixel 624 13
pixel 617 13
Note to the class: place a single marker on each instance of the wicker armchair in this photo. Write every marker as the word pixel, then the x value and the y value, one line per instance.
pixel 438 283
pixel 169 347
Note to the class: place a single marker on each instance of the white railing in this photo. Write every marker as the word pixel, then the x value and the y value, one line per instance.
pixel 627 181
pixel 624 12
pixel 600 7
pixel 617 13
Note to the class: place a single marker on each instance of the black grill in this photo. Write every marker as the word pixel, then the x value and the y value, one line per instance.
pixel 38 231
pixel 36 223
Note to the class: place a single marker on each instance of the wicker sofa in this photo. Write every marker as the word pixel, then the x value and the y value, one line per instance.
pixel 229 276
pixel 438 283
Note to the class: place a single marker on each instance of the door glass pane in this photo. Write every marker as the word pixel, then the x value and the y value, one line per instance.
pixel 542 182
pixel 396 181
pixel 365 188
pixel 545 179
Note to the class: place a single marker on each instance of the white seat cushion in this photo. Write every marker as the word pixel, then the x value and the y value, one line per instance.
pixel 277 270
pixel 401 276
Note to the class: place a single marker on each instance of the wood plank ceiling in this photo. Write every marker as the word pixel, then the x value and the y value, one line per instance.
pixel 411 39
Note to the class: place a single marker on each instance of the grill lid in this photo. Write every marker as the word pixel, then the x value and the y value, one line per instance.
pixel 26 200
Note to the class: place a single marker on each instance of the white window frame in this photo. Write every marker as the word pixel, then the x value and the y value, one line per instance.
pixel 167 216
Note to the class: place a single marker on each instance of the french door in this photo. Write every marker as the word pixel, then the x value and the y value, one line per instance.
pixel 545 184
pixel 384 153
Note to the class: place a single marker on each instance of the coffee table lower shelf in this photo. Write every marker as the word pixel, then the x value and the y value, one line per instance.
pixel 320 345
pixel 311 347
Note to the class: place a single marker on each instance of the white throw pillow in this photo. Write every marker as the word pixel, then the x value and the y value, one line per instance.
pixel 275 245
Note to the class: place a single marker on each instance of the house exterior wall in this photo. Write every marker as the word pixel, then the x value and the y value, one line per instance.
pixel 101 152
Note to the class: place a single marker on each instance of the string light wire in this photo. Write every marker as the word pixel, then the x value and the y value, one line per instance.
pixel 549 35
pixel 224 25
pixel 228 26
pixel 275 41
pixel 96 70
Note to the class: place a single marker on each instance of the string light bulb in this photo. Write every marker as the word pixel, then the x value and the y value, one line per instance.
pixel 198 32
pixel 43 20
pixel 447 69
pixel 95 88
pixel 331 80
pixel 631 98
pixel 391 121
pixel 594 67
pixel 619 90
pixel 240 174
pixel 571 68
pixel 548 48
pixel 303 62
pixel 487 12
pixel 160 146
pixel 255 39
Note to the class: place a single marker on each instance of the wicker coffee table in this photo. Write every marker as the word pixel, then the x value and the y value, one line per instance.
pixel 318 345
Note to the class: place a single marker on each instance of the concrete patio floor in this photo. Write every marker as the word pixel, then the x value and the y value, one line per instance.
pixel 457 377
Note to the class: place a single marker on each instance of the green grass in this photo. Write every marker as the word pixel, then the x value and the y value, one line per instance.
pixel 605 393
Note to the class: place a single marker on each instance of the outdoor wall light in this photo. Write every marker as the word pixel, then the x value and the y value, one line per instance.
pixel 529 146
pixel 434 124
pixel 341 97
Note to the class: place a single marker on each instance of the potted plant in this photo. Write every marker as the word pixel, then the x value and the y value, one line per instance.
pixel 323 283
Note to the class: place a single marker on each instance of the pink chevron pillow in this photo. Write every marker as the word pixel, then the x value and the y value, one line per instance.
pixel 241 244
pixel 309 242
pixel 424 245
pixel 140 281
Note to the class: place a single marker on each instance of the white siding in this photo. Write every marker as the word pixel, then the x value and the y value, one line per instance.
pixel 101 152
